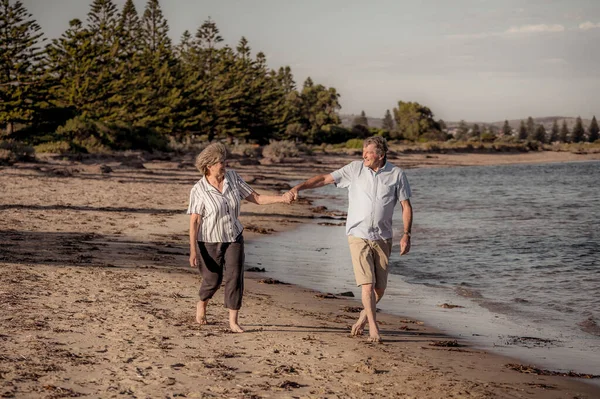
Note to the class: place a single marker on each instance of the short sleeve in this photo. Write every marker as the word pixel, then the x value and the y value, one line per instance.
pixel 196 205
pixel 403 188
pixel 243 188
pixel 343 176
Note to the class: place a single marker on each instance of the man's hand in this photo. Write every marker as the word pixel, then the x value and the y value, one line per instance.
pixel 193 259
pixel 294 193
pixel 404 244
pixel 288 197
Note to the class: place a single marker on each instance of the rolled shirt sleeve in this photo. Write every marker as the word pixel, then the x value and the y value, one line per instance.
pixel 243 188
pixel 403 188
pixel 196 205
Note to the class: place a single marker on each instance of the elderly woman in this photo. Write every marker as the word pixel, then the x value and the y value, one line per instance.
pixel 216 241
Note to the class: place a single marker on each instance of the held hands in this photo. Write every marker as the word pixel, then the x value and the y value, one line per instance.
pixel 290 196
pixel 404 244
pixel 287 198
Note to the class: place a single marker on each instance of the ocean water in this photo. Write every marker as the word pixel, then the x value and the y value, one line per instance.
pixel 517 246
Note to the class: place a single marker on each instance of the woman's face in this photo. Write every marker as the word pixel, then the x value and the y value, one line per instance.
pixel 217 169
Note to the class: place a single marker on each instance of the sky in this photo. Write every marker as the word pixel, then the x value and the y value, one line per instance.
pixel 477 60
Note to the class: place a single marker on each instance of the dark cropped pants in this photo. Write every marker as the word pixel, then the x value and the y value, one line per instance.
pixel 223 262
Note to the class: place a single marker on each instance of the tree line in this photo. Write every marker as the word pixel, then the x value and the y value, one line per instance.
pixel 117 81
pixel 118 78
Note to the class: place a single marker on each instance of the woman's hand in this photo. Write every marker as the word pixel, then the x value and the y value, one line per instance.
pixel 193 259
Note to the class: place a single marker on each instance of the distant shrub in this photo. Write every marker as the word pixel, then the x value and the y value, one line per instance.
pixel 354 143
pixel 13 151
pixel 100 137
pixel 488 137
pixel 247 150
pixel 54 147
pixel 277 151
pixel 431 147
pixel 188 144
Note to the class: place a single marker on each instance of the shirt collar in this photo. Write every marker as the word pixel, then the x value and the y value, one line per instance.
pixel 386 166
pixel 208 187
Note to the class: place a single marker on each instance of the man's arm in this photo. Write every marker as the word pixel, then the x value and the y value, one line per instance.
pixel 407 216
pixel 195 220
pixel 313 182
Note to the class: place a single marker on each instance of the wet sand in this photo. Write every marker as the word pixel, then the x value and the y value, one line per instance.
pixel 97 298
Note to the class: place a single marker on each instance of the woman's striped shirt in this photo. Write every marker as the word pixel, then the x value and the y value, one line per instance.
pixel 219 212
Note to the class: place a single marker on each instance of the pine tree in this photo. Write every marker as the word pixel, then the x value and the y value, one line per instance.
pixel 69 60
pixel 126 99
pixel 578 131
pixel 522 131
pixel 361 120
pixel 530 128
pixel 158 89
pixel 540 134
pixel 593 130
pixel 205 60
pixel 103 28
pixel 388 121
pixel 506 129
pixel 554 133
pixel 21 73
pixel 290 104
pixel 563 137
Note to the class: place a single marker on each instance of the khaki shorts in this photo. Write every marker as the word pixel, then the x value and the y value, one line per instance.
pixel 370 260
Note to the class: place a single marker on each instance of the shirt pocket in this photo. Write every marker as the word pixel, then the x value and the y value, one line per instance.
pixel 387 192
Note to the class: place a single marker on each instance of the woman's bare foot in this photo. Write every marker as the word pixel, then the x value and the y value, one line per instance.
pixel 233 321
pixel 201 312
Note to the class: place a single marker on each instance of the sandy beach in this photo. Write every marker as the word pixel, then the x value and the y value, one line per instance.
pixel 97 298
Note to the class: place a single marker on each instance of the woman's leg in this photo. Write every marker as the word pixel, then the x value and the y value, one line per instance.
pixel 210 260
pixel 234 281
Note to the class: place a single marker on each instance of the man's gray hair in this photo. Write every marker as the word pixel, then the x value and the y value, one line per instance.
pixel 214 153
pixel 381 147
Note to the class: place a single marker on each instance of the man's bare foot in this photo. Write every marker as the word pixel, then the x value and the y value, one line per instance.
pixel 376 338
pixel 236 328
pixel 201 312
pixel 359 326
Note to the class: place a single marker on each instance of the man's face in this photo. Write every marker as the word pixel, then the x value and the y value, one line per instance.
pixel 370 157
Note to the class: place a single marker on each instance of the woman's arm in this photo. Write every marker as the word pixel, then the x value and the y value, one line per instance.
pixel 256 198
pixel 195 221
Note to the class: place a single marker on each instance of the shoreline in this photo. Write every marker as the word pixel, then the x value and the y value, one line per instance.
pixel 99 304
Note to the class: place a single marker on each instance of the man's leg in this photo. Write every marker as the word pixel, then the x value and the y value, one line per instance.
pixel 368 300
pixel 379 253
pixel 359 326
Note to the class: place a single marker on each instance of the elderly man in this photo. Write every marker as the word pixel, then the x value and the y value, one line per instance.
pixel 374 187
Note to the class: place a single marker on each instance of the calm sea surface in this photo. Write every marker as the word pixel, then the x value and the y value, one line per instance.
pixel 517 246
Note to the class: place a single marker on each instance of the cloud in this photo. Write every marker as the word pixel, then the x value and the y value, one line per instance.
pixel 541 28
pixel 513 30
pixel 588 25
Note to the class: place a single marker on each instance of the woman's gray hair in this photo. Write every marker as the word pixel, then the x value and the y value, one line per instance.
pixel 214 153
pixel 381 147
